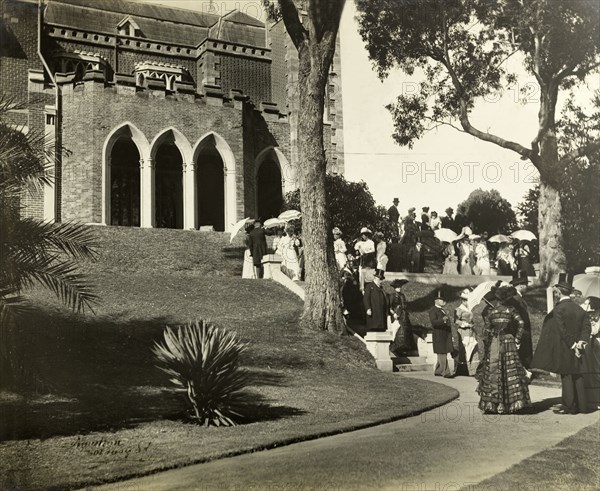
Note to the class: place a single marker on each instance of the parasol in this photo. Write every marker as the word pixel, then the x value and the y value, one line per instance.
pixel 445 235
pixel 476 296
pixel 588 284
pixel 274 222
pixel 238 226
pixel 523 235
pixel 289 215
pixel 498 238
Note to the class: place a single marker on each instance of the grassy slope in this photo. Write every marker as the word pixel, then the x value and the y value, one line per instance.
pixel 111 411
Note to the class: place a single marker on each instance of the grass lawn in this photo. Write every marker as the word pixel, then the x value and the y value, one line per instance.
pixel 103 405
pixel 571 465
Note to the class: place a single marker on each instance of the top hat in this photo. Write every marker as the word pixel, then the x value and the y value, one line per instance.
pixel 439 295
pixel 396 200
pixel 380 273
pixel 519 278
pixel 398 283
pixel 565 281
pixel 425 208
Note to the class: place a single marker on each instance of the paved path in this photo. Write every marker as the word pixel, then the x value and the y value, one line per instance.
pixel 448 448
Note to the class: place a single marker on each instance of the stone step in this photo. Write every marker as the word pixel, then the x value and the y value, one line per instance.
pixel 420 367
pixel 409 360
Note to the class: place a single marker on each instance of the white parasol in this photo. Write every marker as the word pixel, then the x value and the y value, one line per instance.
pixel 290 215
pixel 523 235
pixel 274 222
pixel 589 283
pixel 445 235
pixel 239 226
pixel 476 296
pixel 498 238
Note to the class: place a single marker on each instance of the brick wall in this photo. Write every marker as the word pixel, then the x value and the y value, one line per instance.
pixel 252 77
pixel 91 111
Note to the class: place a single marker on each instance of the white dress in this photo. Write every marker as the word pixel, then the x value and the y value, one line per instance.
pixel 339 249
pixel 483 259
pixel 382 258
pixel 248 267
pixel 289 259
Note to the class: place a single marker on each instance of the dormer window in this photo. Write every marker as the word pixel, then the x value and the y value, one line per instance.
pixel 78 62
pixel 128 27
pixel 169 73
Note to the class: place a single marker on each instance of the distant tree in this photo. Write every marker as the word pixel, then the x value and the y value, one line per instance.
pixel 313 28
pixel 461 47
pixel 489 212
pixel 528 209
pixel 350 205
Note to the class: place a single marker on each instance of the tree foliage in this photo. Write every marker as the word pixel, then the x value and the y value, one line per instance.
pixel 489 212
pixel 350 206
pixel 31 250
pixel 460 47
pixel 528 209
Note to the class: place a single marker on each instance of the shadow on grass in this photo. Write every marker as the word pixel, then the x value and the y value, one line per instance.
pixel 541 406
pixel 79 375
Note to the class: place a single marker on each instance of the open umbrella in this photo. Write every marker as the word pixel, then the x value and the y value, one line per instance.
pixel 523 235
pixel 290 215
pixel 476 296
pixel 445 235
pixel 588 284
pixel 238 226
pixel 274 222
pixel 498 238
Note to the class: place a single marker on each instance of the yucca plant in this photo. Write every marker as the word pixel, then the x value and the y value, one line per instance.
pixel 203 362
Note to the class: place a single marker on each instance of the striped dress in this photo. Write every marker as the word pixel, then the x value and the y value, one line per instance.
pixel 503 384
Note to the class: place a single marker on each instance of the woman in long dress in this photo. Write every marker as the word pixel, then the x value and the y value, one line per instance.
pixel 464 249
pixel 482 256
pixel 463 320
pixel 289 258
pixel 523 257
pixel 404 340
pixel 339 249
pixel 380 248
pixel 505 260
pixel 591 356
pixel 503 384
pixel 450 261
pixel 248 267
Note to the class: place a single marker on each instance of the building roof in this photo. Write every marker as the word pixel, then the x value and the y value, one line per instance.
pixel 156 22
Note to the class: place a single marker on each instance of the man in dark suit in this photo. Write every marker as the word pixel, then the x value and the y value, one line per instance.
pixel 257 243
pixel 394 215
pixel 442 337
pixel 520 282
pixel 376 304
pixel 573 328
pixel 448 221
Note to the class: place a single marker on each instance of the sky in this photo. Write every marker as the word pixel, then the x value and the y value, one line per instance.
pixel 445 165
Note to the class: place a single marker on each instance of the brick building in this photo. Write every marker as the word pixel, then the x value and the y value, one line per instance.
pixel 160 117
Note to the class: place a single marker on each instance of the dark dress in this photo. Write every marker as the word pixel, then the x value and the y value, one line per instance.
pixel 591 365
pixel 352 300
pixel 404 341
pixel 375 299
pixel 503 384
pixel 526 347
pixel 442 331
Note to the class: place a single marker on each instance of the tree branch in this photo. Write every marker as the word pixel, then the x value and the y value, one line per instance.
pixel 582 151
pixel 438 123
pixel 294 27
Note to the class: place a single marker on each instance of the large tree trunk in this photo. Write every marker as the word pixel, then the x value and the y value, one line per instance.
pixel 552 255
pixel 322 305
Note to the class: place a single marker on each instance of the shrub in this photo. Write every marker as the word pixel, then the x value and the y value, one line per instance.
pixel 203 361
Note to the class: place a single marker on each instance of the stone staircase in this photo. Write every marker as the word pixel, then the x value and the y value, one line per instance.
pixel 411 364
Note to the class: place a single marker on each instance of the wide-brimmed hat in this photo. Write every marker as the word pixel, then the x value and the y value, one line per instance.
pixel 398 283
pixel 565 281
pixel 379 273
pixel 519 278
pixel 474 237
pixel 503 293
pixel 336 231
pixel 365 230
pixel 411 209
pixel 464 294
